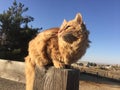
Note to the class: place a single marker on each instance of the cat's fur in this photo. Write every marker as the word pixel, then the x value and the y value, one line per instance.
pixel 58 46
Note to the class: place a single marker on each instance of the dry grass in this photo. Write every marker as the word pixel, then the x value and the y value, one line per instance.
pixel 88 85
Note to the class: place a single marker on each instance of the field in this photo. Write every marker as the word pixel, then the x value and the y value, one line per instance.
pixel 99 76
pixel 105 71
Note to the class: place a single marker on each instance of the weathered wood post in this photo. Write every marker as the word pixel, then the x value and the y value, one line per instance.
pixel 56 79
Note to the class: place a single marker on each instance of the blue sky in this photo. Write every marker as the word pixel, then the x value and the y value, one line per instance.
pixel 102 18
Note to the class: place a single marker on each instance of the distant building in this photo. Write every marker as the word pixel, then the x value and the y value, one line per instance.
pixel 82 63
pixel 106 67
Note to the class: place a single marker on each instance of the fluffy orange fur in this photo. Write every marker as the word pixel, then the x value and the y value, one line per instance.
pixel 58 46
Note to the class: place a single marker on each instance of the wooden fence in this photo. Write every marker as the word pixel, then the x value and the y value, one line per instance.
pixel 56 79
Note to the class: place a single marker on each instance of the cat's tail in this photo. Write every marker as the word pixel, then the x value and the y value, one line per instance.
pixel 29 73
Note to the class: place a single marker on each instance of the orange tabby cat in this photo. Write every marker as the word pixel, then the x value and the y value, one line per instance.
pixel 58 46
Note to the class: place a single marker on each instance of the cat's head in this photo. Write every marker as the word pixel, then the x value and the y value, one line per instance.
pixel 73 30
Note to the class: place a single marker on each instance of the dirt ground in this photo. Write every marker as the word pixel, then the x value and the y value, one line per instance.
pixel 87 85
pixel 88 82
pixel 6 84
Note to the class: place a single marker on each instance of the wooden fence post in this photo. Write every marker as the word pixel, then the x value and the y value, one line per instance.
pixel 56 79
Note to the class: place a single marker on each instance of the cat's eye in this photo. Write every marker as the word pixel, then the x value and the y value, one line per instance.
pixel 67 27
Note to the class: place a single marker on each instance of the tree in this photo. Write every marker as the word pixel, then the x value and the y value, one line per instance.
pixel 15 25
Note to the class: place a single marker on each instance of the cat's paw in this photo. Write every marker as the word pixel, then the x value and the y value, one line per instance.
pixel 59 65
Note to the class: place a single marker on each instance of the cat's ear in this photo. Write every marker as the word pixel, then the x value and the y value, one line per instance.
pixel 63 24
pixel 78 18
